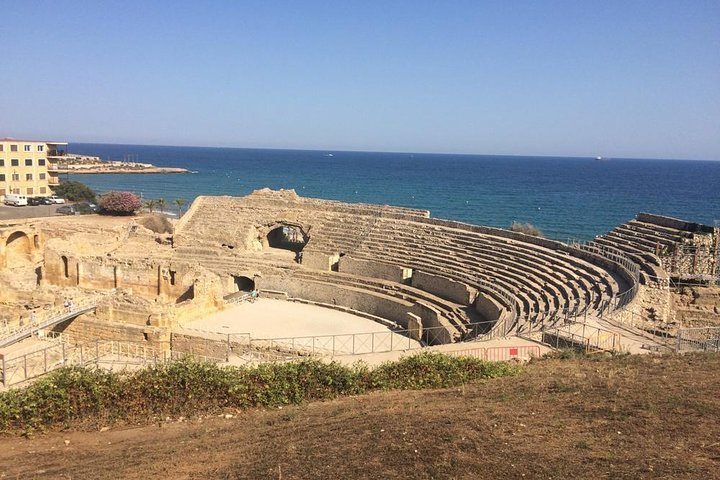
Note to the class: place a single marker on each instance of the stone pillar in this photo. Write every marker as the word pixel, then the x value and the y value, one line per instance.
pixel 414 326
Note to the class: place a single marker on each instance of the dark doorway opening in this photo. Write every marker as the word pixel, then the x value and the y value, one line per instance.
pixel 287 237
pixel 244 284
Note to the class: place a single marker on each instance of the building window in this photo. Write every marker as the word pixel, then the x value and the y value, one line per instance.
pixel 16 191
pixel 29 191
pixel 15 162
pixel 1 147
pixel 2 191
pixel 2 163
pixel 2 177
pixel 28 162
pixel 42 176
pixel 41 162
pixel 43 189
pixel 15 177
pixel 13 148
pixel 28 148
pixel 28 177
pixel 41 148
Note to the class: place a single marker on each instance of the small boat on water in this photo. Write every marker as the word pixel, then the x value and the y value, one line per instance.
pixel 328 155
pixel 599 158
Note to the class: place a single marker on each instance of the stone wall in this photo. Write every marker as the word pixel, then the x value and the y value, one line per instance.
pixel 366 268
pixel 444 288
pixel 88 328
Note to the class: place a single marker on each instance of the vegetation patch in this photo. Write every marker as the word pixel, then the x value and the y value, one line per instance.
pixel 74 191
pixel 526 228
pixel 119 203
pixel 81 395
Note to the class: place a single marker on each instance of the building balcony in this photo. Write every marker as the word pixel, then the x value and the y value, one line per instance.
pixel 52 180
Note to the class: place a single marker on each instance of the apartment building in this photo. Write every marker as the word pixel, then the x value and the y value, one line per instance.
pixel 29 167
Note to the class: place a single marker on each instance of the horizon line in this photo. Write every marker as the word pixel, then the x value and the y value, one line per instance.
pixel 405 152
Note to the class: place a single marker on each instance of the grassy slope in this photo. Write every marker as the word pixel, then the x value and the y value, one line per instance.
pixel 630 417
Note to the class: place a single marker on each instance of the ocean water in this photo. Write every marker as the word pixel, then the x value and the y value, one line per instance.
pixel 567 198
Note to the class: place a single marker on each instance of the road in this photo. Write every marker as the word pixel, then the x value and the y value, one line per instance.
pixel 13 213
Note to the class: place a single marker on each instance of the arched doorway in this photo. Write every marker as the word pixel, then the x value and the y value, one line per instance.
pixel 287 237
pixel 244 284
pixel 18 249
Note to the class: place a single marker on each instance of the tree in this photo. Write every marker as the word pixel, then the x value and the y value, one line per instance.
pixel 180 203
pixel 74 191
pixel 150 205
pixel 161 204
pixel 119 203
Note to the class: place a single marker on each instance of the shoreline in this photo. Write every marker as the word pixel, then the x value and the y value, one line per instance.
pixel 101 170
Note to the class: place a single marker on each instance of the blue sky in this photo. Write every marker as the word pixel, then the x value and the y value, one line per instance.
pixel 611 78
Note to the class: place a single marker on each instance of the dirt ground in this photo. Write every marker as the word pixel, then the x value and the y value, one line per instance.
pixel 631 417
pixel 269 318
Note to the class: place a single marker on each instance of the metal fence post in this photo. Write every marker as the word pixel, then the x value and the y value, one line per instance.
pixel 25 365
pixel 4 372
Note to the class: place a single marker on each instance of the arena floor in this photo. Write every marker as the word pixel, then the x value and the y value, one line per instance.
pixel 268 318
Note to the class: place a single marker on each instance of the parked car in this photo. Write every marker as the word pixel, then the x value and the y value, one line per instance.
pixel 34 201
pixel 82 208
pixel 86 208
pixel 16 200
pixel 56 199
pixel 65 210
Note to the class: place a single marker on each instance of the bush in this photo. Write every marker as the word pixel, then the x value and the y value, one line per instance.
pixel 156 223
pixel 75 192
pixel 77 395
pixel 526 228
pixel 119 203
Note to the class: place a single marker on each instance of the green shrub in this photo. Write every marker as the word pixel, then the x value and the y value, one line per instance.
pixel 74 191
pixel 77 395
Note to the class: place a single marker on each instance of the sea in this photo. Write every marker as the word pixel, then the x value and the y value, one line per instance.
pixel 567 198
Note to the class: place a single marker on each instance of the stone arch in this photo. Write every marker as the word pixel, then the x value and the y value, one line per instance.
pixel 244 284
pixel 287 236
pixel 18 250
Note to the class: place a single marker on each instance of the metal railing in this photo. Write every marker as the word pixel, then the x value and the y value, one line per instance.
pixel 45 319
pixel 20 367
pixel 586 337
pixel 704 339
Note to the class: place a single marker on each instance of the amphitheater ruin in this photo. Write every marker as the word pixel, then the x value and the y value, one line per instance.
pixel 84 288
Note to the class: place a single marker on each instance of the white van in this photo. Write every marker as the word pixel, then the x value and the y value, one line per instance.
pixel 16 200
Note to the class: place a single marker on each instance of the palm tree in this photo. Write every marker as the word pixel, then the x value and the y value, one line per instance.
pixel 160 202
pixel 179 203
pixel 150 205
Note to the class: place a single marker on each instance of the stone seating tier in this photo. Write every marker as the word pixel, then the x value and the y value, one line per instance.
pixel 590 279
pixel 455 315
pixel 544 276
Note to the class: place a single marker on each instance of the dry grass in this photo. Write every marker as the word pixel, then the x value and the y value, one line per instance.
pixel 526 228
pixel 627 417
pixel 156 222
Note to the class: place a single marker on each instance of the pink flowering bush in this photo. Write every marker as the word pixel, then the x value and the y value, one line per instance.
pixel 119 203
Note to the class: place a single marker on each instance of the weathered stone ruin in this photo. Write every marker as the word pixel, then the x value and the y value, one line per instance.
pixel 441 280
